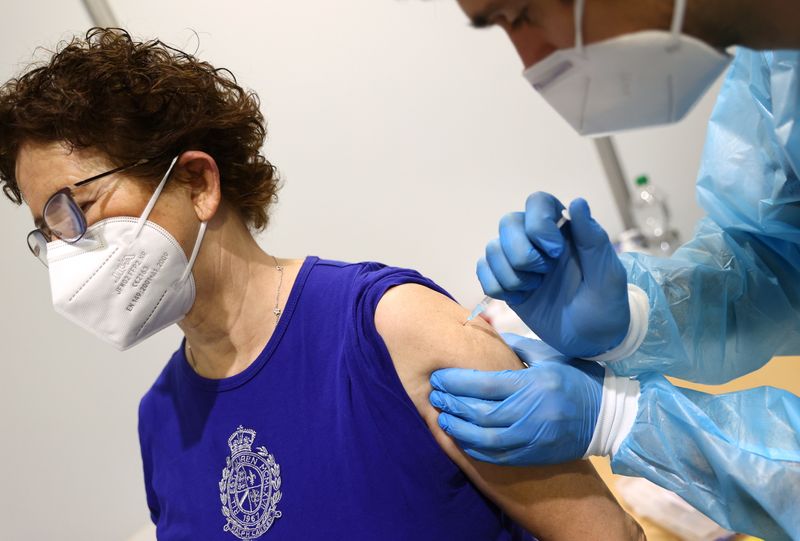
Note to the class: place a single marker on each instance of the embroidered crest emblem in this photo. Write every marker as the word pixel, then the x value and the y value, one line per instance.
pixel 250 488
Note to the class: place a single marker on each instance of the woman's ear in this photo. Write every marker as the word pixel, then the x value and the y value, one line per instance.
pixel 199 172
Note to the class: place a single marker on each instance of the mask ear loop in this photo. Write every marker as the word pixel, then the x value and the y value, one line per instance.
pixel 152 203
pixel 678 14
pixel 149 208
pixel 580 5
pixel 196 250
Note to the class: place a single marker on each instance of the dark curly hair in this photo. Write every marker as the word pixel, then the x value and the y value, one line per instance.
pixel 133 100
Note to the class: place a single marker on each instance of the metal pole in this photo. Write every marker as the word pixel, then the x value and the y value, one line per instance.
pixel 616 179
pixel 100 13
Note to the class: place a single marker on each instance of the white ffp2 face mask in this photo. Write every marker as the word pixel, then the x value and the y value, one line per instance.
pixel 631 81
pixel 126 279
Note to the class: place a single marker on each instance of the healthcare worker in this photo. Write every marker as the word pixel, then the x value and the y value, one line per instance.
pixel 720 307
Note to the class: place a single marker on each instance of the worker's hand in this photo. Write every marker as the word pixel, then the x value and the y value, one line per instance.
pixel 567 285
pixel 545 414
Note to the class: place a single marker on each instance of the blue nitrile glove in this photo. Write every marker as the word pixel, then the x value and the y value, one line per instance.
pixel 545 414
pixel 567 285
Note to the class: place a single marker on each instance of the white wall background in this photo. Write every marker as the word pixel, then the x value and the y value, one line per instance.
pixel 403 136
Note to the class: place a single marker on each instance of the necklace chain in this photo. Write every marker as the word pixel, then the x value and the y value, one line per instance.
pixel 277 310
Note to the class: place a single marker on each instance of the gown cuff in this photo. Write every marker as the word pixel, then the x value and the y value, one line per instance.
pixel 618 408
pixel 637 329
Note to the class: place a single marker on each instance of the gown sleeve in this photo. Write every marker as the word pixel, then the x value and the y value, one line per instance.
pixel 729 300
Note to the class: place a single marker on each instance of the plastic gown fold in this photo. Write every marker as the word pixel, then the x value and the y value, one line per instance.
pixel 722 306
pixel 735 457
pixel 729 300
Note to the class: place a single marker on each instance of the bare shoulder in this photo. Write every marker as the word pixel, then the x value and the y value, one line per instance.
pixel 427 331
pixel 424 331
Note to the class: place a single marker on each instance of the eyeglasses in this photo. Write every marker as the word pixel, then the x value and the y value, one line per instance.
pixel 63 218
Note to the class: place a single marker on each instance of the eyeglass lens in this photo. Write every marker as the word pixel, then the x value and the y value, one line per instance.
pixel 38 245
pixel 64 217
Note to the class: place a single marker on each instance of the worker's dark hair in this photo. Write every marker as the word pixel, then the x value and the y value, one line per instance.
pixel 140 99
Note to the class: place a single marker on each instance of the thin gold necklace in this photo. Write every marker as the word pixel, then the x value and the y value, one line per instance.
pixel 277 310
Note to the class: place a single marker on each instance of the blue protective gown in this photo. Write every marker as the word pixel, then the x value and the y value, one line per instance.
pixel 722 306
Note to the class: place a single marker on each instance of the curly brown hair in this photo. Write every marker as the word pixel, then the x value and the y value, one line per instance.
pixel 133 100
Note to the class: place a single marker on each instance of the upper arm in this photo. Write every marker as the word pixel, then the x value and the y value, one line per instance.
pixel 424 331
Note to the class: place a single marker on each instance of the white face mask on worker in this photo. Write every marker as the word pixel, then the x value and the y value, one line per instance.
pixel 126 279
pixel 631 81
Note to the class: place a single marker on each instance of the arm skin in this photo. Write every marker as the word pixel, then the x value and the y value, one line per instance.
pixel 423 331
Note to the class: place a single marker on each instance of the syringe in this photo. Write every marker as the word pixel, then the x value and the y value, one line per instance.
pixel 484 304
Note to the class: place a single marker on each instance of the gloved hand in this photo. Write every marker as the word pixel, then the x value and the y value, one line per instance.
pixel 545 414
pixel 567 285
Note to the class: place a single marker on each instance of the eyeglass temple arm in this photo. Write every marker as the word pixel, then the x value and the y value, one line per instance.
pixel 117 170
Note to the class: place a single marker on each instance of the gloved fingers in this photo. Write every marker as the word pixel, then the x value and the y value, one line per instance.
pixel 594 249
pixel 466 382
pixel 509 279
pixel 492 287
pixel 477 437
pixel 531 351
pixel 518 248
pixel 485 413
pixel 542 213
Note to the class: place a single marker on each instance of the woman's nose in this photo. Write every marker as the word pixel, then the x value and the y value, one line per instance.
pixel 530 42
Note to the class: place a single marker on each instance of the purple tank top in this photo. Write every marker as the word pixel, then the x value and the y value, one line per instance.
pixel 317 439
